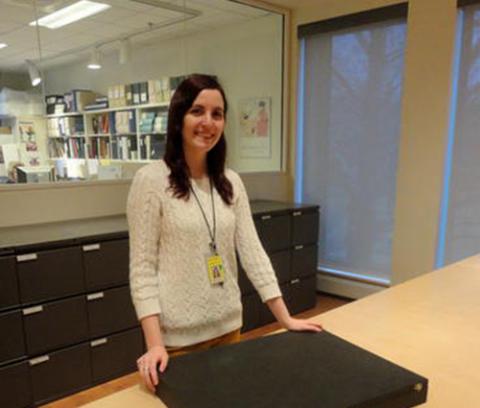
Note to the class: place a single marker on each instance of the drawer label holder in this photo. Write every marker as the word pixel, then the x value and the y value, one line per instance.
pixel 98 342
pixel 95 296
pixel 27 257
pixel 92 247
pixel 32 310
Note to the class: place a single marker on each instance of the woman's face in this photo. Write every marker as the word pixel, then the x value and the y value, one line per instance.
pixel 204 122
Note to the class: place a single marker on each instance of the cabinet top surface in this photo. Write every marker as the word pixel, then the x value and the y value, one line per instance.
pixel 78 231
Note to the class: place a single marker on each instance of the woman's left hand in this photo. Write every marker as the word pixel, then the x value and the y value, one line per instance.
pixel 293 324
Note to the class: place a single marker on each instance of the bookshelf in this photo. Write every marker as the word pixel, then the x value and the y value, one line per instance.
pixel 133 133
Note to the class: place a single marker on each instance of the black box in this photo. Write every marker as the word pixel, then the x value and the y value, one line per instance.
pixel 305 370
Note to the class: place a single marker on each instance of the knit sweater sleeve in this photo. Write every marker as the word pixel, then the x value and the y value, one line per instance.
pixel 143 215
pixel 253 257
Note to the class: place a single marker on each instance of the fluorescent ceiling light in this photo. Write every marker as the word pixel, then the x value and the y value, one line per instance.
pixel 3 45
pixel 70 14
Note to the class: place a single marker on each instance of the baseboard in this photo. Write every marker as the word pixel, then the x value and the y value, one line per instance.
pixel 345 287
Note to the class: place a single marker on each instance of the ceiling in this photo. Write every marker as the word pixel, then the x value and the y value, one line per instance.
pixel 142 21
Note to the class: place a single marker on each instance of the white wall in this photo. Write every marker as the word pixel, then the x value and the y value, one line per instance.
pixel 246 57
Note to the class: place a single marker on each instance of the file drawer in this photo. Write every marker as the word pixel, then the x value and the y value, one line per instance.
pixel 56 324
pixel 110 311
pixel 281 264
pixel 8 283
pixel 45 275
pixel 274 231
pixel 115 355
pixel 15 391
pixel 106 264
pixel 60 373
pixel 305 226
pixel 251 312
pixel 304 261
pixel 302 294
pixel 12 344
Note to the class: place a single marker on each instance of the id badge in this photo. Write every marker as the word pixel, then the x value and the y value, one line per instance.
pixel 216 271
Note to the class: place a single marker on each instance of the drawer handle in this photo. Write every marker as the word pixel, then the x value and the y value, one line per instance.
pixel 92 247
pixel 38 360
pixel 297 213
pixel 294 281
pixel 298 247
pixel 99 342
pixel 27 257
pixel 265 217
pixel 95 296
pixel 32 310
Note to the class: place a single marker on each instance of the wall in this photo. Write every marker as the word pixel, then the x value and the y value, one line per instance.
pixel 425 112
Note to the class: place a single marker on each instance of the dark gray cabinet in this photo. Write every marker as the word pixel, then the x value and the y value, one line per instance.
pixel 66 316
pixel 60 373
pixel 115 355
pixel 110 311
pixel 49 274
pixel 289 234
pixel 15 388
pixel 8 283
pixel 105 263
pixel 57 324
pixel 12 344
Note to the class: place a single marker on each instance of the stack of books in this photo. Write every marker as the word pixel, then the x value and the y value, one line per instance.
pixel 101 102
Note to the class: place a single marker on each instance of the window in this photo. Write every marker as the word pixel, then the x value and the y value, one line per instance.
pixel 349 128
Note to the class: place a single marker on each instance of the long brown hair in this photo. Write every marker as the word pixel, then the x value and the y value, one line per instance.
pixel 182 101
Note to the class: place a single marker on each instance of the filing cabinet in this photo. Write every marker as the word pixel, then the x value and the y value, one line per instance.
pixel 115 355
pixel 49 274
pixel 110 311
pixel 8 283
pixel 12 344
pixel 56 324
pixel 15 387
pixel 105 263
pixel 289 234
pixel 60 373
pixel 66 307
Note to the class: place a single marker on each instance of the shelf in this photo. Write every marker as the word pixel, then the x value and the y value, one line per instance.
pixel 129 107
pixel 115 109
pixel 67 137
pixel 63 115
pixel 100 135
pixel 153 133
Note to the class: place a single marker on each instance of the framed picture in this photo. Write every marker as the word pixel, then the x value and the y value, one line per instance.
pixel 255 125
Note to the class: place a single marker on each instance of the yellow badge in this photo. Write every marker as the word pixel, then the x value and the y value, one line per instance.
pixel 216 271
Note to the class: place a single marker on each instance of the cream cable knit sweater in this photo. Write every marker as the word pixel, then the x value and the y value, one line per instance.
pixel 169 242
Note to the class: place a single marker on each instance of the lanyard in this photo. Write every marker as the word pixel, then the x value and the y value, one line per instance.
pixel 211 232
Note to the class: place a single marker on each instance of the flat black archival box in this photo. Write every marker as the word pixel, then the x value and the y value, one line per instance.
pixel 289 370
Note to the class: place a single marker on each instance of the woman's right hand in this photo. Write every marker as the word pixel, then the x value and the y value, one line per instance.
pixel 147 365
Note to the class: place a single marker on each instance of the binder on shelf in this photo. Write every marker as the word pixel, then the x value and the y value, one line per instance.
pixel 143 92
pixel 136 93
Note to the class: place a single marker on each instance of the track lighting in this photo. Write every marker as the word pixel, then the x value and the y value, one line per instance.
pixel 125 51
pixel 33 71
pixel 94 62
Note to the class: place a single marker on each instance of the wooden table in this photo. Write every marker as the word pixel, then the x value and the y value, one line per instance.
pixel 430 325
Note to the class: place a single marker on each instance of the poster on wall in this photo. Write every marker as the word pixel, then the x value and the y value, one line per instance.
pixel 255 132
pixel 29 153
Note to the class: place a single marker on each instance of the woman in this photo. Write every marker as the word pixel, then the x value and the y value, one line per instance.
pixel 187 215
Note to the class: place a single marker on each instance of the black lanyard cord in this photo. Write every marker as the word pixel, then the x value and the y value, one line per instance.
pixel 212 234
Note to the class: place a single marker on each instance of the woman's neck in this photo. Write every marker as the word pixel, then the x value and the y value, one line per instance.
pixel 197 164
